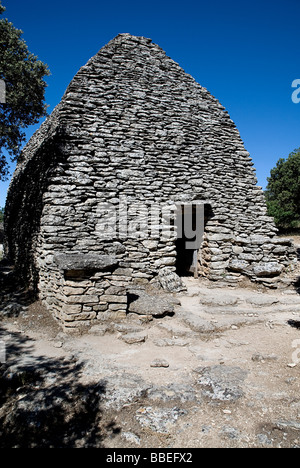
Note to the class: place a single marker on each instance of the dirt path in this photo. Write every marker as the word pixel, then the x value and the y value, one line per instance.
pixel 222 372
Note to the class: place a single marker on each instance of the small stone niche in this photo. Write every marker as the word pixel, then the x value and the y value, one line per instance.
pixel 91 288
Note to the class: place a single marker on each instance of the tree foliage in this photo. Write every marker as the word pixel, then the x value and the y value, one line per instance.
pixel 283 191
pixel 23 75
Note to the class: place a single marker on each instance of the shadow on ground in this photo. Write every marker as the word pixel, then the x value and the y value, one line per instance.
pixel 43 404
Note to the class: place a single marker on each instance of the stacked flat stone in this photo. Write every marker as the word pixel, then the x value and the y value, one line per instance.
pixel 133 124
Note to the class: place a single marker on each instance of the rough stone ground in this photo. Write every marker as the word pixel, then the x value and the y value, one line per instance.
pixel 223 371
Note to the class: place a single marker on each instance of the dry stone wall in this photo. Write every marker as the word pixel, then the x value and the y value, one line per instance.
pixel 85 288
pixel 135 134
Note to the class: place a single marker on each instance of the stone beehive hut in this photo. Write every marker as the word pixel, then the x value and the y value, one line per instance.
pixel 134 134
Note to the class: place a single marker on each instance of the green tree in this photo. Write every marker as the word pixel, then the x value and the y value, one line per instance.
pixel 283 191
pixel 23 75
pixel 1 214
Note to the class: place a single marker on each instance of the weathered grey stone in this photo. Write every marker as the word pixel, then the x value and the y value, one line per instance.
pixel 74 261
pixel 219 301
pixel 123 272
pixel 144 304
pixel 123 389
pixel 134 337
pixel 161 342
pixel 220 237
pixel 183 392
pixel 126 328
pixel 284 425
pixel 83 299
pixel 230 432
pixel 258 240
pixel 239 265
pixel 159 419
pixel 159 363
pixel 170 281
pixel 99 330
pixel 222 383
pixel 268 269
pixel 113 298
pixel 262 300
pixel 68 291
pixel 131 437
pixel 282 240
pixel 258 357
pixel 71 308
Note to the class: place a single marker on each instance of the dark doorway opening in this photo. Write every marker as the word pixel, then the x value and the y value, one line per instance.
pixel 184 259
pixel 190 222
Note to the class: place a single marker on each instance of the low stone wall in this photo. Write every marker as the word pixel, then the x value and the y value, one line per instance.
pixel 228 257
pixel 83 289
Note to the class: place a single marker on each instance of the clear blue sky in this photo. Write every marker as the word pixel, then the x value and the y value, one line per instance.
pixel 246 53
